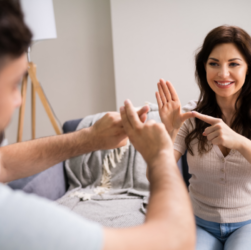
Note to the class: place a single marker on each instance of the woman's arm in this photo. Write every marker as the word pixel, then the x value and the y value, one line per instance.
pixel 177 155
pixel 243 145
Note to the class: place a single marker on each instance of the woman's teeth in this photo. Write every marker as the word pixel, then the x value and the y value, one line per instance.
pixel 224 84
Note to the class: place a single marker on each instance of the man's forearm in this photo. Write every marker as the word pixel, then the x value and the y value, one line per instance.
pixel 27 158
pixel 167 186
pixel 169 213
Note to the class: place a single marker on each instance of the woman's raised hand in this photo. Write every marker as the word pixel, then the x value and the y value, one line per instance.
pixel 170 108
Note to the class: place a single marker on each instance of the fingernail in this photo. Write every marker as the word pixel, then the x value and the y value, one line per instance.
pixel 144 108
pixel 122 109
pixel 127 101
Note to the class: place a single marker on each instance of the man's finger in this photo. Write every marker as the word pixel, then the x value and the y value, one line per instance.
pixel 143 118
pixel 206 118
pixel 126 124
pixel 132 116
pixel 143 110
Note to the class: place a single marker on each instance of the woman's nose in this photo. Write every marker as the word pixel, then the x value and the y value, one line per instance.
pixel 223 72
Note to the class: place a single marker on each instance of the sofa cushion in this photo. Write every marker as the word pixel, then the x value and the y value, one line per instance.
pixel 49 184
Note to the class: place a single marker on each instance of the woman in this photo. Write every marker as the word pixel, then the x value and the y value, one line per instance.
pixel 216 135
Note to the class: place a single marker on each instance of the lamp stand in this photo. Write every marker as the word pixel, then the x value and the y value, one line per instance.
pixel 35 87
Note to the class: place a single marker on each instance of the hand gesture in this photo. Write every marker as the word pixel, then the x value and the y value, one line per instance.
pixel 150 139
pixel 170 108
pixel 219 133
pixel 108 132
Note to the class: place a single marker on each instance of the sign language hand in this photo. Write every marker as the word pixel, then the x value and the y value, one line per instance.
pixel 150 138
pixel 108 132
pixel 219 133
pixel 170 107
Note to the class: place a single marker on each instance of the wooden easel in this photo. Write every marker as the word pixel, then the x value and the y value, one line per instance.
pixel 35 87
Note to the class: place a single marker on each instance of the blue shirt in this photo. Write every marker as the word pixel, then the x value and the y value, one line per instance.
pixel 29 222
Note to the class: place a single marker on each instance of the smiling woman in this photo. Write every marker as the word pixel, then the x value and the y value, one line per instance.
pixel 225 86
pixel 217 138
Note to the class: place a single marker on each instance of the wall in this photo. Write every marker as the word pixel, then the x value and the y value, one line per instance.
pixel 76 69
pixel 146 39
pixel 158 39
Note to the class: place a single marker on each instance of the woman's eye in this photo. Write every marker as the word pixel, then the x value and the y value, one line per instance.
pixel 234 64
pixel 213 64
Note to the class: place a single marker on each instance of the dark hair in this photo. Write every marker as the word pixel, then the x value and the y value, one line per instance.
pixel 207 103
pixel 15 36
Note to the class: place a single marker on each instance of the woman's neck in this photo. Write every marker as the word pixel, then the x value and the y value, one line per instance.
pixel 227 106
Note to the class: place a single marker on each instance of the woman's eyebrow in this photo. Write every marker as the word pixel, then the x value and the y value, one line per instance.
pixel 228 60
pixel 214 59
pixel 234 59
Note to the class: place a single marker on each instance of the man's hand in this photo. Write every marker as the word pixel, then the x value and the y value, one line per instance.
pixel 108 132
pixel 169 211
pixel 150 139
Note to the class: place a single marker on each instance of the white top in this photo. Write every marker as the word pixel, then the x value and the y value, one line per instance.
pixel 29 222
pixel 220 187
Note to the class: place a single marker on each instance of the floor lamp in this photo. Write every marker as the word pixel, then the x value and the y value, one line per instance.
pixel 39 16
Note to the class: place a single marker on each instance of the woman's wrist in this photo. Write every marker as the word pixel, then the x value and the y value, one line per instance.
pixel 173 134
pixel 241 143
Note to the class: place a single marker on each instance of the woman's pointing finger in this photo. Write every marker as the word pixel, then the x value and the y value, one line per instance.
pixel 206 118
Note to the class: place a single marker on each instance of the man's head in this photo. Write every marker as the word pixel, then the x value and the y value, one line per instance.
pixel 15 38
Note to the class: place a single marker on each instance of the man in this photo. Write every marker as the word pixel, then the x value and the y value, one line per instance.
pixel 28 222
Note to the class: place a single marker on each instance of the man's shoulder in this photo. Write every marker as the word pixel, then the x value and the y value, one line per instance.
pixel 26 216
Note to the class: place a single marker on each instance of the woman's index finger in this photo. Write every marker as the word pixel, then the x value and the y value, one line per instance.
pixel 206 118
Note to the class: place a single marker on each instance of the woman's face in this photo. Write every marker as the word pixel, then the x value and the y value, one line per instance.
pixel 226 70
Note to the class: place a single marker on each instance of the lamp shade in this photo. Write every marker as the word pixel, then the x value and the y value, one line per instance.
pixel 39 16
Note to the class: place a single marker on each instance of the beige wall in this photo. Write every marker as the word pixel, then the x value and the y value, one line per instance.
pixel 76 69
pixel 150 39
pixel 156 39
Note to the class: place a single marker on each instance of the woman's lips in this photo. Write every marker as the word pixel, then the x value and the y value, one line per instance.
pixel 226 85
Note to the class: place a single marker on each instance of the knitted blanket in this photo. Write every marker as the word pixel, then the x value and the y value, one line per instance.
pixel 109 186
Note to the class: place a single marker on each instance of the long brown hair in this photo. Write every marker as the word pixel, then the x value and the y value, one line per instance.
pixel 207 103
